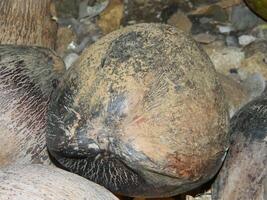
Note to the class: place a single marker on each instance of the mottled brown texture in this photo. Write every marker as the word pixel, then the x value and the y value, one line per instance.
pixel 244 173
pixel 39 182
pixel 148 99
pixel 27 77
pixel 27 22
pixel 64 37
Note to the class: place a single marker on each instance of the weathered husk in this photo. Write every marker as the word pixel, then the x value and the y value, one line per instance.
pixel 244 172
pixel 141 112
pixel 39 182
pixel 27 22
pixel 27 75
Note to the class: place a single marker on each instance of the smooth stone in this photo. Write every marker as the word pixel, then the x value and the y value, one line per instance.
pixel 231 41
pixel 245 40
pixel 204 38
pixel 243 18
pixel 180 21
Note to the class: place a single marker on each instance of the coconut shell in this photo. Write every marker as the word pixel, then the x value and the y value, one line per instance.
pixel 27 77
pixel 141 112
pixel 244 173
pixel 28 22
pixel 41 182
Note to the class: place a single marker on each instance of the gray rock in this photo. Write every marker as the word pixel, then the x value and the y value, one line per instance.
pixel 255 84
pixel 224 29
pixel 231 40
pixel 245 40
pixel 242 18
pixel 260 32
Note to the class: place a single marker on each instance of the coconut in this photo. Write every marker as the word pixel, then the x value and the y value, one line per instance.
pixel 141 112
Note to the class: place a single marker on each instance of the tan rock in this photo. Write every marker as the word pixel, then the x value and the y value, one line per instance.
pixel 204 38
pixel 181 21
pixel 224 58
pixel 255 63
pixel 110 18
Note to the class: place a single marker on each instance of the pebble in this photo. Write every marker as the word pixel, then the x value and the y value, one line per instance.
pixel 244 40
pixel 255 64
pixel 224 29
pixel 243 18
pixel 70 59
pixel 259 46
pixel 180 21
pixel 204 38
pixel 224 58
pixel 255 84
pixel 260 31
pixel 231 41
pixel 204 20
pixel 217 13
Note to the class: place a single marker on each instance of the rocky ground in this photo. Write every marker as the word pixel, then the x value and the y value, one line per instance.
pixel 232 35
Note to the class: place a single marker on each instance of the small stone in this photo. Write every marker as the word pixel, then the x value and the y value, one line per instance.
pixel 72 46
pixel 204 38
pixel 204 20
pixel 224 29
pixel 255 64
pixel 243 18
pixel 255 47
pixel 231 40
pixel 246 39
pixel 224 58
pixel 260 31
pixel 180 21
pixel 255 84
pixel 217 13
pixel 70 59
pixel 198 27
